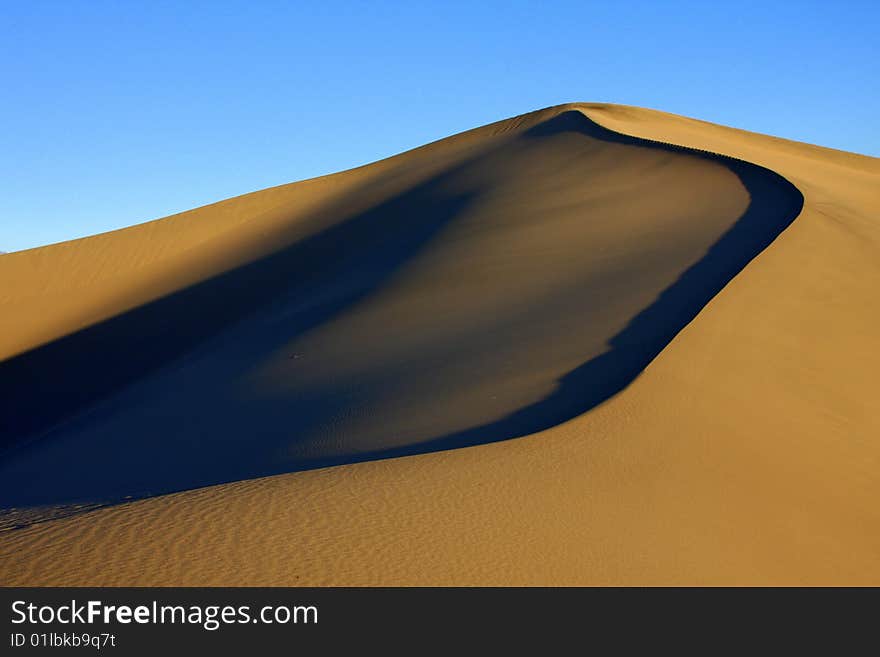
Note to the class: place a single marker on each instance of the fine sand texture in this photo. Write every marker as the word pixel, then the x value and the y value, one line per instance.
pixel 592 344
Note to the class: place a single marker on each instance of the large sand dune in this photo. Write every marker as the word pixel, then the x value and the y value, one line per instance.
pixel 694 372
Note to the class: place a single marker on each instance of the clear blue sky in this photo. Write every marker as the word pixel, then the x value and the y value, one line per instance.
pixel 115 113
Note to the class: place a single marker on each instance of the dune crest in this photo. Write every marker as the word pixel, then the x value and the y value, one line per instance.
pixel 514 279
pixel 522 283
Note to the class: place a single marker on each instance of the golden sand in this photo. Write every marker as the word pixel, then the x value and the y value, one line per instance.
pixel 746 452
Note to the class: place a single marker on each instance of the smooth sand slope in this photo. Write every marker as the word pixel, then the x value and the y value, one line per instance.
pixel 510 280
pixel 524 282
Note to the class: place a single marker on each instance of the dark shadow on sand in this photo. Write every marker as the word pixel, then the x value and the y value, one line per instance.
pixel 54 383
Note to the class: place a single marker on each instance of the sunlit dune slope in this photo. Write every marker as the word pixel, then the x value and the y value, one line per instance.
pixel 519 284
pixel 510 280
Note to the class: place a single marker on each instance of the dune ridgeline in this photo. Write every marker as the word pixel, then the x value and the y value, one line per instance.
pixel 592 344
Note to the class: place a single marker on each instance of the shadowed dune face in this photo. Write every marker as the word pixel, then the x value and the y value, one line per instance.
pixel 521 285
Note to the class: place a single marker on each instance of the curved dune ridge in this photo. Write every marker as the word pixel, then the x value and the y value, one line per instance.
pixel 521 283
pixel 513 280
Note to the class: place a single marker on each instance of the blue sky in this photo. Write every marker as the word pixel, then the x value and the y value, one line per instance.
pixel 114 113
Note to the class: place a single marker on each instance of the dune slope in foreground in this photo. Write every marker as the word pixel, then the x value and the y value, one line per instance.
pixel 510 280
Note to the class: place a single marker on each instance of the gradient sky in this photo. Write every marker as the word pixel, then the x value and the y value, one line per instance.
pixel 114 113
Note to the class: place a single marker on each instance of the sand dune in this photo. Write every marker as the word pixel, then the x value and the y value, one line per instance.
pixel 694 372
pixel 523 283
